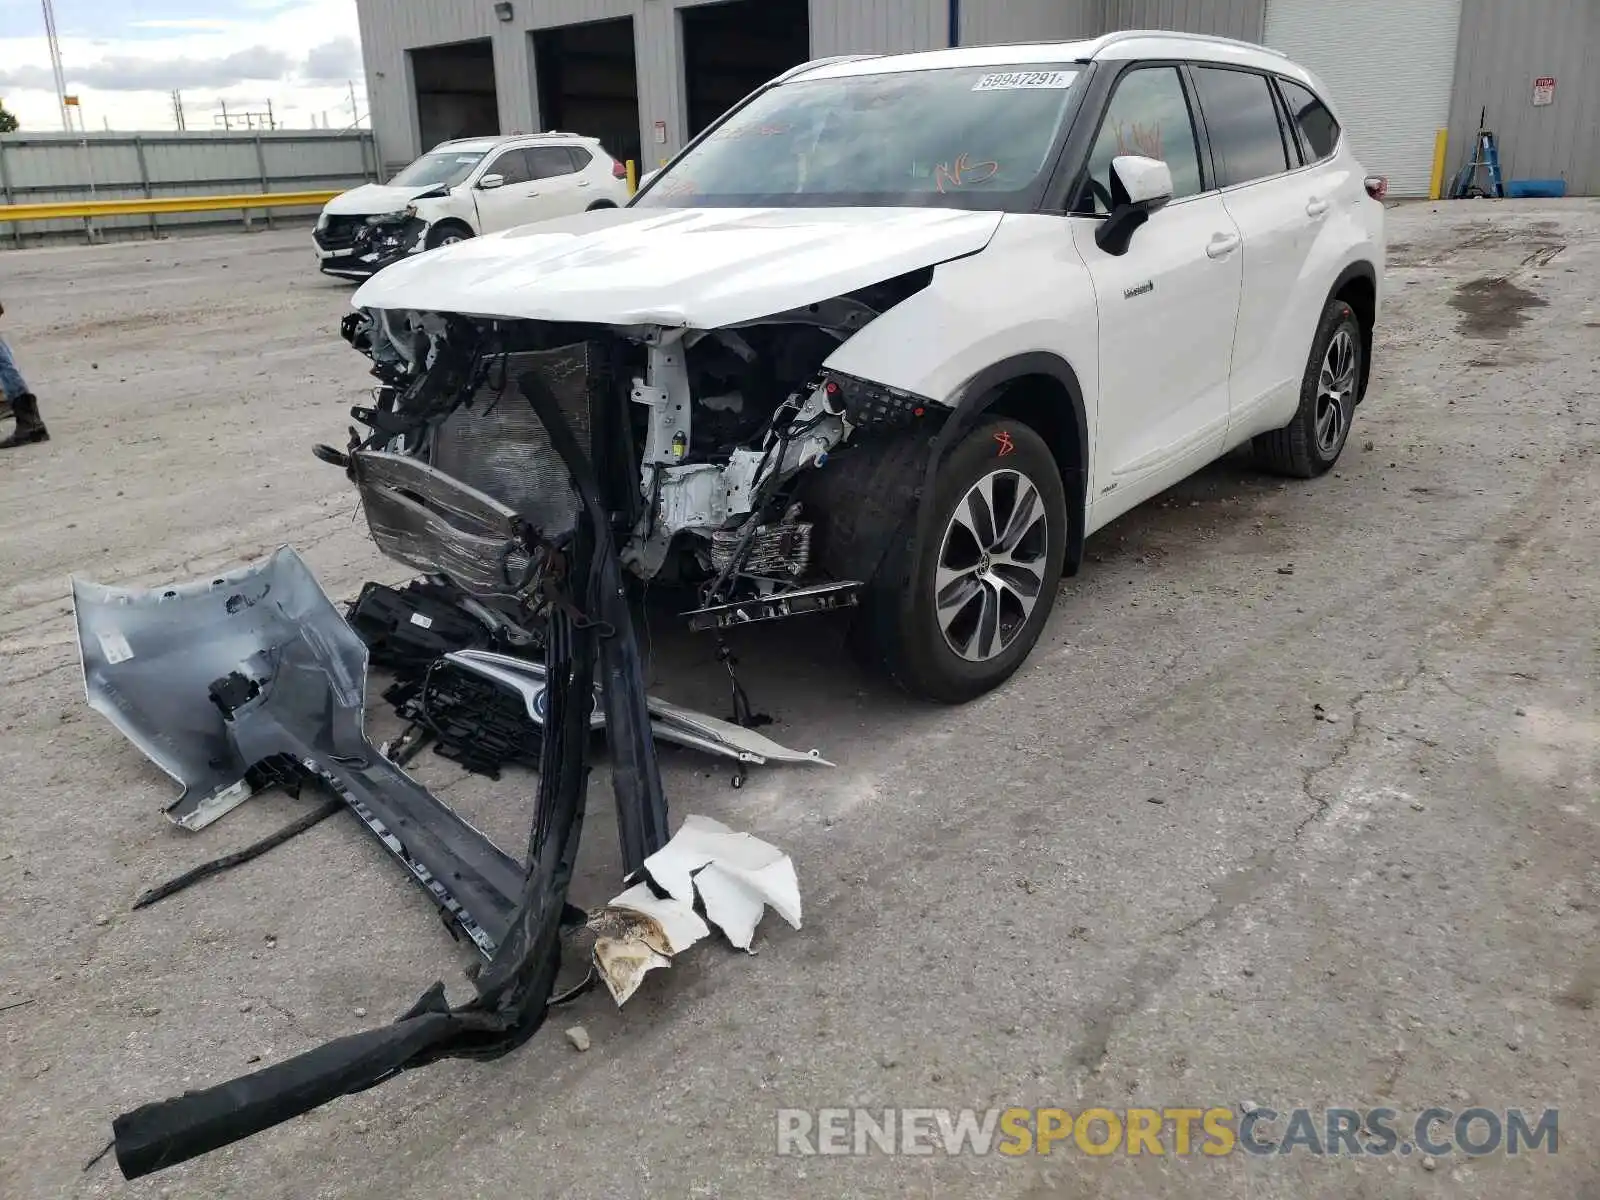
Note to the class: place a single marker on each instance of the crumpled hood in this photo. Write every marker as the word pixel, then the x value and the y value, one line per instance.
pixel 701 268
pixel 370 199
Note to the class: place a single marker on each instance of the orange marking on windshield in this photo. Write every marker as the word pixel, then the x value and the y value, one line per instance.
pixel 964 172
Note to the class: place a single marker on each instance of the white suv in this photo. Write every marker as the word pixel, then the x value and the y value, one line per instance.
pixel 464 188
pixel 901 331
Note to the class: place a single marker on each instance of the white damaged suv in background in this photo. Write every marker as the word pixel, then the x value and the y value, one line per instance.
pixel 896 334
pixel 462 189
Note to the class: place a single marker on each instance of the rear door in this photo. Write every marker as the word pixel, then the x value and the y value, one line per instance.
pixel 1167 307
pixel 1278 205
pixel 559 186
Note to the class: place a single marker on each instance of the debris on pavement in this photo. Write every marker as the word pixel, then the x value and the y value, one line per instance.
pixel 579 1037
pixel 485 711
pixel 256 676
pixel 731 877
pixel 228 861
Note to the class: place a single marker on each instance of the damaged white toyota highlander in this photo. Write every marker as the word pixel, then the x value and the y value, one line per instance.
pixel 895 334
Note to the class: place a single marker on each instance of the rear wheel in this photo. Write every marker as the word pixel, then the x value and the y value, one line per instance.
pixel 1311 443
pixel 447 233
pixel 954 615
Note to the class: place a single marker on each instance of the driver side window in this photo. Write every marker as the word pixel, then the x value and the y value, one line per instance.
pixel 1148 115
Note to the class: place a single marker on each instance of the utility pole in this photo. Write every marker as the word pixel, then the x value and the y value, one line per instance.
pixel 272 122
pixel 177 109
pixel 225 124
pixel 55 64
pixel 355 113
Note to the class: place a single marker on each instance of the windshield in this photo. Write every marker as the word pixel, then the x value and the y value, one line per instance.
pixel 962 137
pixel 448 167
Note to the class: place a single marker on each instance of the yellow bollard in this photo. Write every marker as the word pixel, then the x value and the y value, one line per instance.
pixel 633 177
pixel 1440 139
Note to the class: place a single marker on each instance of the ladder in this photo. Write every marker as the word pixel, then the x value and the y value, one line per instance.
pixel 1485 157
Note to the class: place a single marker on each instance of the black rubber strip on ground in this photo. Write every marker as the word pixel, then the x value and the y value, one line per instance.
pixel 228 861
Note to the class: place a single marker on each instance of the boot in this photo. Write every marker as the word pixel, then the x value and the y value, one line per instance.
pixel 29 428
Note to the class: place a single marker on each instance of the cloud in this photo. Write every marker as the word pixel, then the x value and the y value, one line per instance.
pixel 333 61
pixel 127 73
pixel 201 24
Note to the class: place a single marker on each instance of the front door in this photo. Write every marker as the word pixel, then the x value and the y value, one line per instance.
pixel 508 204
pixel 1168 307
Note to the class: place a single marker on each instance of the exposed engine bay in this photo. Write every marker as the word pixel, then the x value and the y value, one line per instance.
pixel 724 430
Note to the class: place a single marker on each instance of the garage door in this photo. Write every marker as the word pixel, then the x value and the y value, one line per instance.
pixel 1388 65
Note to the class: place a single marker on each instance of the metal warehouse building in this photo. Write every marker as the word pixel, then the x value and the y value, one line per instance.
pixel 646 75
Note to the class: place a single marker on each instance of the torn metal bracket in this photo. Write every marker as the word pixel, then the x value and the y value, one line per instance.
pixel 827 597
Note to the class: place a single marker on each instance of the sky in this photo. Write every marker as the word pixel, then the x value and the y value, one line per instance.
pixel 123 58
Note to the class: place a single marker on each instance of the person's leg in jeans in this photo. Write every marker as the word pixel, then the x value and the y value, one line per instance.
pixel 24 404
pixel 12 384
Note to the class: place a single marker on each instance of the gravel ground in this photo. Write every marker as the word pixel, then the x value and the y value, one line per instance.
pixel 1145 873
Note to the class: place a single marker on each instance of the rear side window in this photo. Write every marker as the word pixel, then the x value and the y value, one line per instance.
pixel 1242 121
pixel 547 162
pixel 1149 116
pixel 512 166
pixel 1319 132
pixel 581 158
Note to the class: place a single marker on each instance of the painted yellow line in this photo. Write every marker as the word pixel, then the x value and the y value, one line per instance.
pixel 1440 141
pixel 73 209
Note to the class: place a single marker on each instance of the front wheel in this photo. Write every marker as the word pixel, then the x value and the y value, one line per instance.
pixel 447 233
pixel 953 616
pixel 1311 443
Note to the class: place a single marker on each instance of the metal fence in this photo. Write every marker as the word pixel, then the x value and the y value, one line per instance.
pixel 38 168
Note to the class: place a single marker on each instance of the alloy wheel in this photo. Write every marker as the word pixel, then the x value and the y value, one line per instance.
pixel 991 568
pixel 1336 392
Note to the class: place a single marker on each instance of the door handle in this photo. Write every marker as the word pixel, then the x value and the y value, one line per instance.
pixel 583 183
pixel 1315 208
pixel 1222 245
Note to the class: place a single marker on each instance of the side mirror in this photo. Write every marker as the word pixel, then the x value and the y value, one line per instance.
pixel 1139 186
pixel 490 182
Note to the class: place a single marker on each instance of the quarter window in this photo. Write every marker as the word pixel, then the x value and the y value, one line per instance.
pixel 1149 116
pixel 1319 132
pixel 1242 122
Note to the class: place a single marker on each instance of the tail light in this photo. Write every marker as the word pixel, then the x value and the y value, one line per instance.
pixel 1377 187
pixel 618 170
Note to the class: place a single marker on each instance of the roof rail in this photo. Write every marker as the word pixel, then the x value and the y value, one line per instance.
pixel 823 62
pixel 1129 35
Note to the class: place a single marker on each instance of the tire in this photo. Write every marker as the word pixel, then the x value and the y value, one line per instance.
pixel 599 204
pixel 1311 443
pixel 446 232
pixel 954 655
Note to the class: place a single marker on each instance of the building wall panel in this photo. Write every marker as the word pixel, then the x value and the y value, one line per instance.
pixel 1000 21
pixel 1241 19
pixel 1504 48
